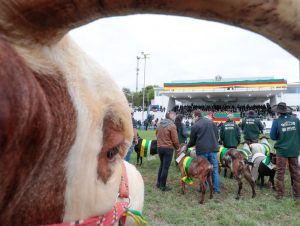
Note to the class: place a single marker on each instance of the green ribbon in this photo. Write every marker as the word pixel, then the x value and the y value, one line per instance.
pixel 186 164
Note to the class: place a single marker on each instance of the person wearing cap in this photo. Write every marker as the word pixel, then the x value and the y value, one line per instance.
pixel 251 127
pixel 230 134
pixel 285 131
pixel 204 135
pixel 135 139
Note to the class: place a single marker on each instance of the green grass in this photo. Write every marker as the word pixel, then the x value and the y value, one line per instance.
pixel 173 208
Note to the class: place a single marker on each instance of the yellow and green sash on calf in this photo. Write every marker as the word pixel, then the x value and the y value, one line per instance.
pixel 189 151
pixel 145 148
pixel 222 151
pixel 186 164
pixel 267 161
pixel 246 152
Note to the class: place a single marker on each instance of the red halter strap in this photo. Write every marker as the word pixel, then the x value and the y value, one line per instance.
pixel 114 215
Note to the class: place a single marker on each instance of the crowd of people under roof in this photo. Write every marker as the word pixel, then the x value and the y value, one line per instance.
pixel 262 110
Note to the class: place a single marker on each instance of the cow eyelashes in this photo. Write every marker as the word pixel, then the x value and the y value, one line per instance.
pixel 112 152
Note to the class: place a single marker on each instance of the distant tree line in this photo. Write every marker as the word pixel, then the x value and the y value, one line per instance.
pixel 136 98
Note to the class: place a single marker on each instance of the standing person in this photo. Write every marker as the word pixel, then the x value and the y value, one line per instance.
pixel 135 139
pixel 204 135
pixel 286 131
pixel 230 134
pixel 187 123
pixel 251 127
pixel 182 131
pixel 167 140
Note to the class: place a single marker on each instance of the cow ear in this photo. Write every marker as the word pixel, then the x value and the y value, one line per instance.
pixel 113 149
pixel 45 21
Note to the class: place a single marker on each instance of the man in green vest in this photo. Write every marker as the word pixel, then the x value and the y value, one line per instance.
pixel 251 127
pixel 230 134
pixel 286 131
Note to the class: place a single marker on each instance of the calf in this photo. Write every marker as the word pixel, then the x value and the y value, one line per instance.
pixel 263 146
pixel 259 151
pixel 239 166
pixel 222 151
pixel 144 148
pixel 198 168
pixel 245 151
pixel 267 168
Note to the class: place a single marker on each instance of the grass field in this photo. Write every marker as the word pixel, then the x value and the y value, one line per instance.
pixel 173 208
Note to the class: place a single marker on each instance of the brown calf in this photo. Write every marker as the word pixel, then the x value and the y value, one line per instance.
pixel 238 165
pixel 200 168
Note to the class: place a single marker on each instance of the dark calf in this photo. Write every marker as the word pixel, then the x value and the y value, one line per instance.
pixel 239 166
pixel 199 168
pixel 147 145
pixel 264 170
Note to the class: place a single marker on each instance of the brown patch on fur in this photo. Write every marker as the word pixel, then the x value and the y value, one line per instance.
pixel 38 124
pixel 113 137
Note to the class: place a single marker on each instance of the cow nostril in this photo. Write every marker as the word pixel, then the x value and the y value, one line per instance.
pixel 111 153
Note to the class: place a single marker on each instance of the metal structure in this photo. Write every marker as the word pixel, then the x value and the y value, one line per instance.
pixel 145 56
pixel 137 73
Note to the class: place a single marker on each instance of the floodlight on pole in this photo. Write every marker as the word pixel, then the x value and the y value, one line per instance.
pixel 145 56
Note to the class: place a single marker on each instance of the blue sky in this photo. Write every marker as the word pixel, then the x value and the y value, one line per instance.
pixel 181 48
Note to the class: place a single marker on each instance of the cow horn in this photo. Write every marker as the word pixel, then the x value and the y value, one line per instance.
pixel 47 21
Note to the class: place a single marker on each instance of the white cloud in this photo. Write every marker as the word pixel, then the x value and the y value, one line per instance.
pixel 181 48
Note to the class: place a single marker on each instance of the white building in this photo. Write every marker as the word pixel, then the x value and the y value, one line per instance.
pixel 228 91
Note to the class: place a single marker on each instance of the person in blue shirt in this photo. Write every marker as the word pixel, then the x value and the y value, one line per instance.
pixel 285 131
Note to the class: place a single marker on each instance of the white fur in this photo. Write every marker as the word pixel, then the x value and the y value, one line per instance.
pixel 257 148
pixel 136 189
pixel 246 147
pixel 94 95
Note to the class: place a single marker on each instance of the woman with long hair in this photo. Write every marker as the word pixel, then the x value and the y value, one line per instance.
pixel 182 131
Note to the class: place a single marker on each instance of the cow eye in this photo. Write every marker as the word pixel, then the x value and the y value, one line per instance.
pixel 112 152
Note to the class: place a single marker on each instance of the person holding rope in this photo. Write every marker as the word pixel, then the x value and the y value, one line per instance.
pixel 285 131
pixel 204 136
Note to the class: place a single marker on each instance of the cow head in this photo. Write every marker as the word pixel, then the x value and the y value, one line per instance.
pixel 65 125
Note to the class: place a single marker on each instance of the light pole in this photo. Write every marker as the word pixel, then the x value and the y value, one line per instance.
pixel 137 73
pixel 145 57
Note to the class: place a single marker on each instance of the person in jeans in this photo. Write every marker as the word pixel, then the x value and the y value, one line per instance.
pixel 135 139
pixel 286 131
pixel 251 127
pixel 204 135
pixel 167 140
pixel 230 134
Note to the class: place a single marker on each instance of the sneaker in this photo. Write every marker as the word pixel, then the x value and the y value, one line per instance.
pixel 157 186
pixel 166 188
